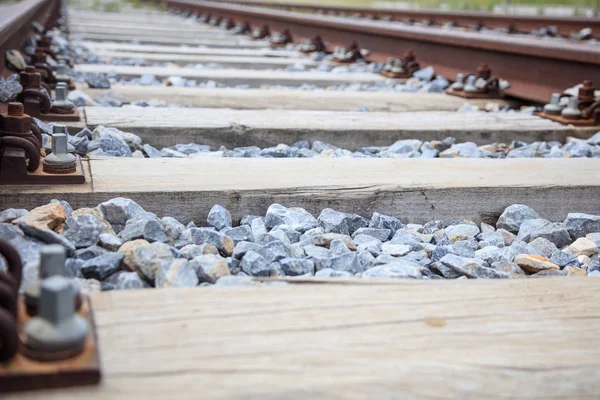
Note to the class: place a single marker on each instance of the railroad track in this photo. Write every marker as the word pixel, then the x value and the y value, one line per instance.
pixel 534 68
pixel 510 24
pixel 205 158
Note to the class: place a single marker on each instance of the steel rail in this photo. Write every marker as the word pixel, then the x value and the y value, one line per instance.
pixel 535 68
pixel 522 23
pixel 15 24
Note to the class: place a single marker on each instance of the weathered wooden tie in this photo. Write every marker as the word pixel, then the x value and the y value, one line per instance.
pixel 418 190
pixel 250 77
pixel 256 99
pixel 378 339
pixel 225 61
pixel 222 43
pixel 143 48
pixel 350 130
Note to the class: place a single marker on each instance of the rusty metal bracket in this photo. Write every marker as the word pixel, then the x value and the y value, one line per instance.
pixel 37 101
pixel 20 160
pixel 350 54
pixel 401 68
pixel 261 32
pixel 481 85
pixel 313 45
pixel 280 39
pixel 241 29
pixel 22 369
pixel 582 110
pixel 215 21
pixel 227 24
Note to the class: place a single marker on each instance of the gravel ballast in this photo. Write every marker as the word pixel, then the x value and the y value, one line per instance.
pixel 119 245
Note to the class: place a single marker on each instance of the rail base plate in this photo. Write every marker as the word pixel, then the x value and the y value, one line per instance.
pixel 75 116
pixel 55 117
pixel 22 373
pixel 13 171
pixel 392 75
pixel 565 121
pixel 464 95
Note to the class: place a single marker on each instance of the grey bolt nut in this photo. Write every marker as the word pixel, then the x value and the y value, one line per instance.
pixel 56 332
pixel 55 130
pixel 62 100
pixel 554 106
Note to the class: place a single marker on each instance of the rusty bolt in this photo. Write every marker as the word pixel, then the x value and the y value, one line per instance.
pixel 15 109
pixel 44 41
pixel 409 56
pixel 30 77
pixel 39 57
pixel 483 71
pixel 15 122
pixel 586 92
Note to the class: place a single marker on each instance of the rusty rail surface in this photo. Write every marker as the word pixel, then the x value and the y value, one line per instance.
pixel 15 24
pixel 521 23
pixel 535 68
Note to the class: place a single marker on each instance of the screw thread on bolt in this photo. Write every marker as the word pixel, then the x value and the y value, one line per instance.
pixel 15 109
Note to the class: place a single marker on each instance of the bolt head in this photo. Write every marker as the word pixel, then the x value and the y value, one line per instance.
pixel 30 78
pixel 15 121
pixel 586 91
pixel 15 109
pixel 39 57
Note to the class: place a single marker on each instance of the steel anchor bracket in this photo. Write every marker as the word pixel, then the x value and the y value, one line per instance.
pixel 583 110
pixel 37 102
pixel 350 54
pixel 20 160
pixel 401 68
pixel 482 85
pixel 31 357
pixel 280 39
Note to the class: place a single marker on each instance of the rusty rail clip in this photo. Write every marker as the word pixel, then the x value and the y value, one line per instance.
pixel 583 110
pixel 280 39
pixel 262 32
pixel 350 54
pixel 20 159
pixel 482 85
pixel 313 45
pixel 215 21
pixel 401 68
pixel 37 102
pixel 227 24
pixel 241 29
pixel 57 347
